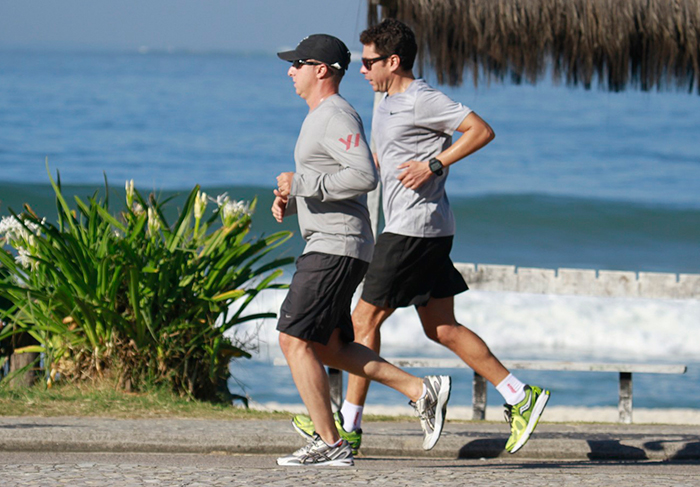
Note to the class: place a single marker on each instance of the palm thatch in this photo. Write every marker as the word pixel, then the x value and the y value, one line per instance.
pixel 646 44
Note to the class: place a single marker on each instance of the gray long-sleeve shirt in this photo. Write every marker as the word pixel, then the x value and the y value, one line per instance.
pixel 334 172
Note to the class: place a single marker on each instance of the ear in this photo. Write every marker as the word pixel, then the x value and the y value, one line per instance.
pixel 394 62
pixel 321 71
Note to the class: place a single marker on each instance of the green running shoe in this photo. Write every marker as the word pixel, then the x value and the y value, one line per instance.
pixel 305 427
pixel 524 416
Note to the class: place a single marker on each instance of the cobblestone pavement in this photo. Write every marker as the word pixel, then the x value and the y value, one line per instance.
pixel 34 469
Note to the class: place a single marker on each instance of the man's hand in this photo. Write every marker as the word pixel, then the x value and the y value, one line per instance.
pixel 284 183
pixel 279 206
pixel 416 174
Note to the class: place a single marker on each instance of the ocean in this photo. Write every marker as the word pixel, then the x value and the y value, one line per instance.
pixel 574 178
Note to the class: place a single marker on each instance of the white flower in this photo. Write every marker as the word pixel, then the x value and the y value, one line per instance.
pixel 200 204
pixel 24 259
pixel 233 210
pixel 129 193
pixel 8 226
pixel 221 200
pixel 153 222
pixel 14 231
pixel 138 209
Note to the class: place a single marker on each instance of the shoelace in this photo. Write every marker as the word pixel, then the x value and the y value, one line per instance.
pixel 306 448
pixel 508 413
pixel 427 414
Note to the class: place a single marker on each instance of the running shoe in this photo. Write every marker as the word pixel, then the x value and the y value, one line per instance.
pixel 524 416
pixel 305 427
pixel 432 407
pixel 317 453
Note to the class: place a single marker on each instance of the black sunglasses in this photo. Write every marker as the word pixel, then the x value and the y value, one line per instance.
pixel 301 62
pixel 368 62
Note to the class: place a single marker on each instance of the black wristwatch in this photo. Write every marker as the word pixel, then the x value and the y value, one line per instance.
pixel 436 166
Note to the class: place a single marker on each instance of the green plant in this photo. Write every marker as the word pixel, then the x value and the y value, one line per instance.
pixel 5 304
pixel 133 296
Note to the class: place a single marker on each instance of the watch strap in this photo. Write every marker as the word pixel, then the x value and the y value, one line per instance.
pixel 435 166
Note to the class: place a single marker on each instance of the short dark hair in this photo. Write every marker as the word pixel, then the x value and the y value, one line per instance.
pixel 392 37
pixel 335 72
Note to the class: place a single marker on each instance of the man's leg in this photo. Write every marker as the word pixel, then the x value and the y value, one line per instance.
pixel 428 396
pixel 364 362
pixel 440 325
pixel 311 380
pixel 367 319
pixel 525 403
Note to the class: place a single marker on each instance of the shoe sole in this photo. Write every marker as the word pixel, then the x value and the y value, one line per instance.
pixel 531 425
pixel 440 410
pixel 345 462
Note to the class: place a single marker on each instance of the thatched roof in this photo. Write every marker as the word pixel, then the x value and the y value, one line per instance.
pixel 647 44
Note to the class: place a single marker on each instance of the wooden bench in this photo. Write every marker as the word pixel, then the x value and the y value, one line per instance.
pixel 625 371
pixel 479 384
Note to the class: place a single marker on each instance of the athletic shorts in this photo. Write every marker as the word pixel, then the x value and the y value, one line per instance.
pixel 320 297
pixel 408 271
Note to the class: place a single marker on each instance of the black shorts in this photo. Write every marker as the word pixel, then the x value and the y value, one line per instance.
pixel 320 297
pixel 408 271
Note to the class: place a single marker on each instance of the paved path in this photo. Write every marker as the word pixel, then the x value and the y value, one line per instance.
pixel 194 470
pixel 551 441
pixel 80 452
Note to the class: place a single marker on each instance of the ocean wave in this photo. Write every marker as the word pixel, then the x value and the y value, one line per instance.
pixel 529 326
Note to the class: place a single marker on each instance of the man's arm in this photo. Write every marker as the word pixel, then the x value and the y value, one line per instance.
pixel 476 133
pixel 346 145
pixel 348 182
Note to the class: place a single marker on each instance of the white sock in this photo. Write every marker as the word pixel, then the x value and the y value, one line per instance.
pixel 337 443
pixel 511 389
pixel 352 416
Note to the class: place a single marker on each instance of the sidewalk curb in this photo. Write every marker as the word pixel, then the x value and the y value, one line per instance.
pixel 551 441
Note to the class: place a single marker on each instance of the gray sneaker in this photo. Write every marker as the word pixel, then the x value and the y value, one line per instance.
pixel 317 453
pixel 432 408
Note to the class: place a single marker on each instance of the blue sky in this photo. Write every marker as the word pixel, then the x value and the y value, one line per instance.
pixel 256 25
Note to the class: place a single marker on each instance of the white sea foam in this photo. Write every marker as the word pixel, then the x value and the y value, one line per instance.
pixel 519 325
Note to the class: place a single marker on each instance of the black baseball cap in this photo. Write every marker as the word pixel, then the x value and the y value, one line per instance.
pixel 321 47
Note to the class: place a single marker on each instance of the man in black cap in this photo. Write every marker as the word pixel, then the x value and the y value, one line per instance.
pixel 334 172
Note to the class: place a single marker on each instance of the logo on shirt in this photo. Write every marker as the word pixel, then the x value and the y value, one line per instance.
pixel 348 141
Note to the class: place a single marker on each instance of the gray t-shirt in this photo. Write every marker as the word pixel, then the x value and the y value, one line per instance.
pixel 334 172
pixel 415 125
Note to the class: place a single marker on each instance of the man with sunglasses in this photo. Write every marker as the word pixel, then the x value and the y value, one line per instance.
pixel 334 172
pixel 412 129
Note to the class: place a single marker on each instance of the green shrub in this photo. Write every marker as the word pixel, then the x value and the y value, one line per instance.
pixel 133 297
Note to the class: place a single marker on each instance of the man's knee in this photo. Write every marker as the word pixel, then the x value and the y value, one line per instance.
pixel 444 334
pixel 368 318
pixel 291 344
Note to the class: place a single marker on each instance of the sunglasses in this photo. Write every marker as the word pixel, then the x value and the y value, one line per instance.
pixel 368 62
pixel 301 62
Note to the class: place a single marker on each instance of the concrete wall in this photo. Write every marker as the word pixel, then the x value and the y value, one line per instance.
pixel 586 282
